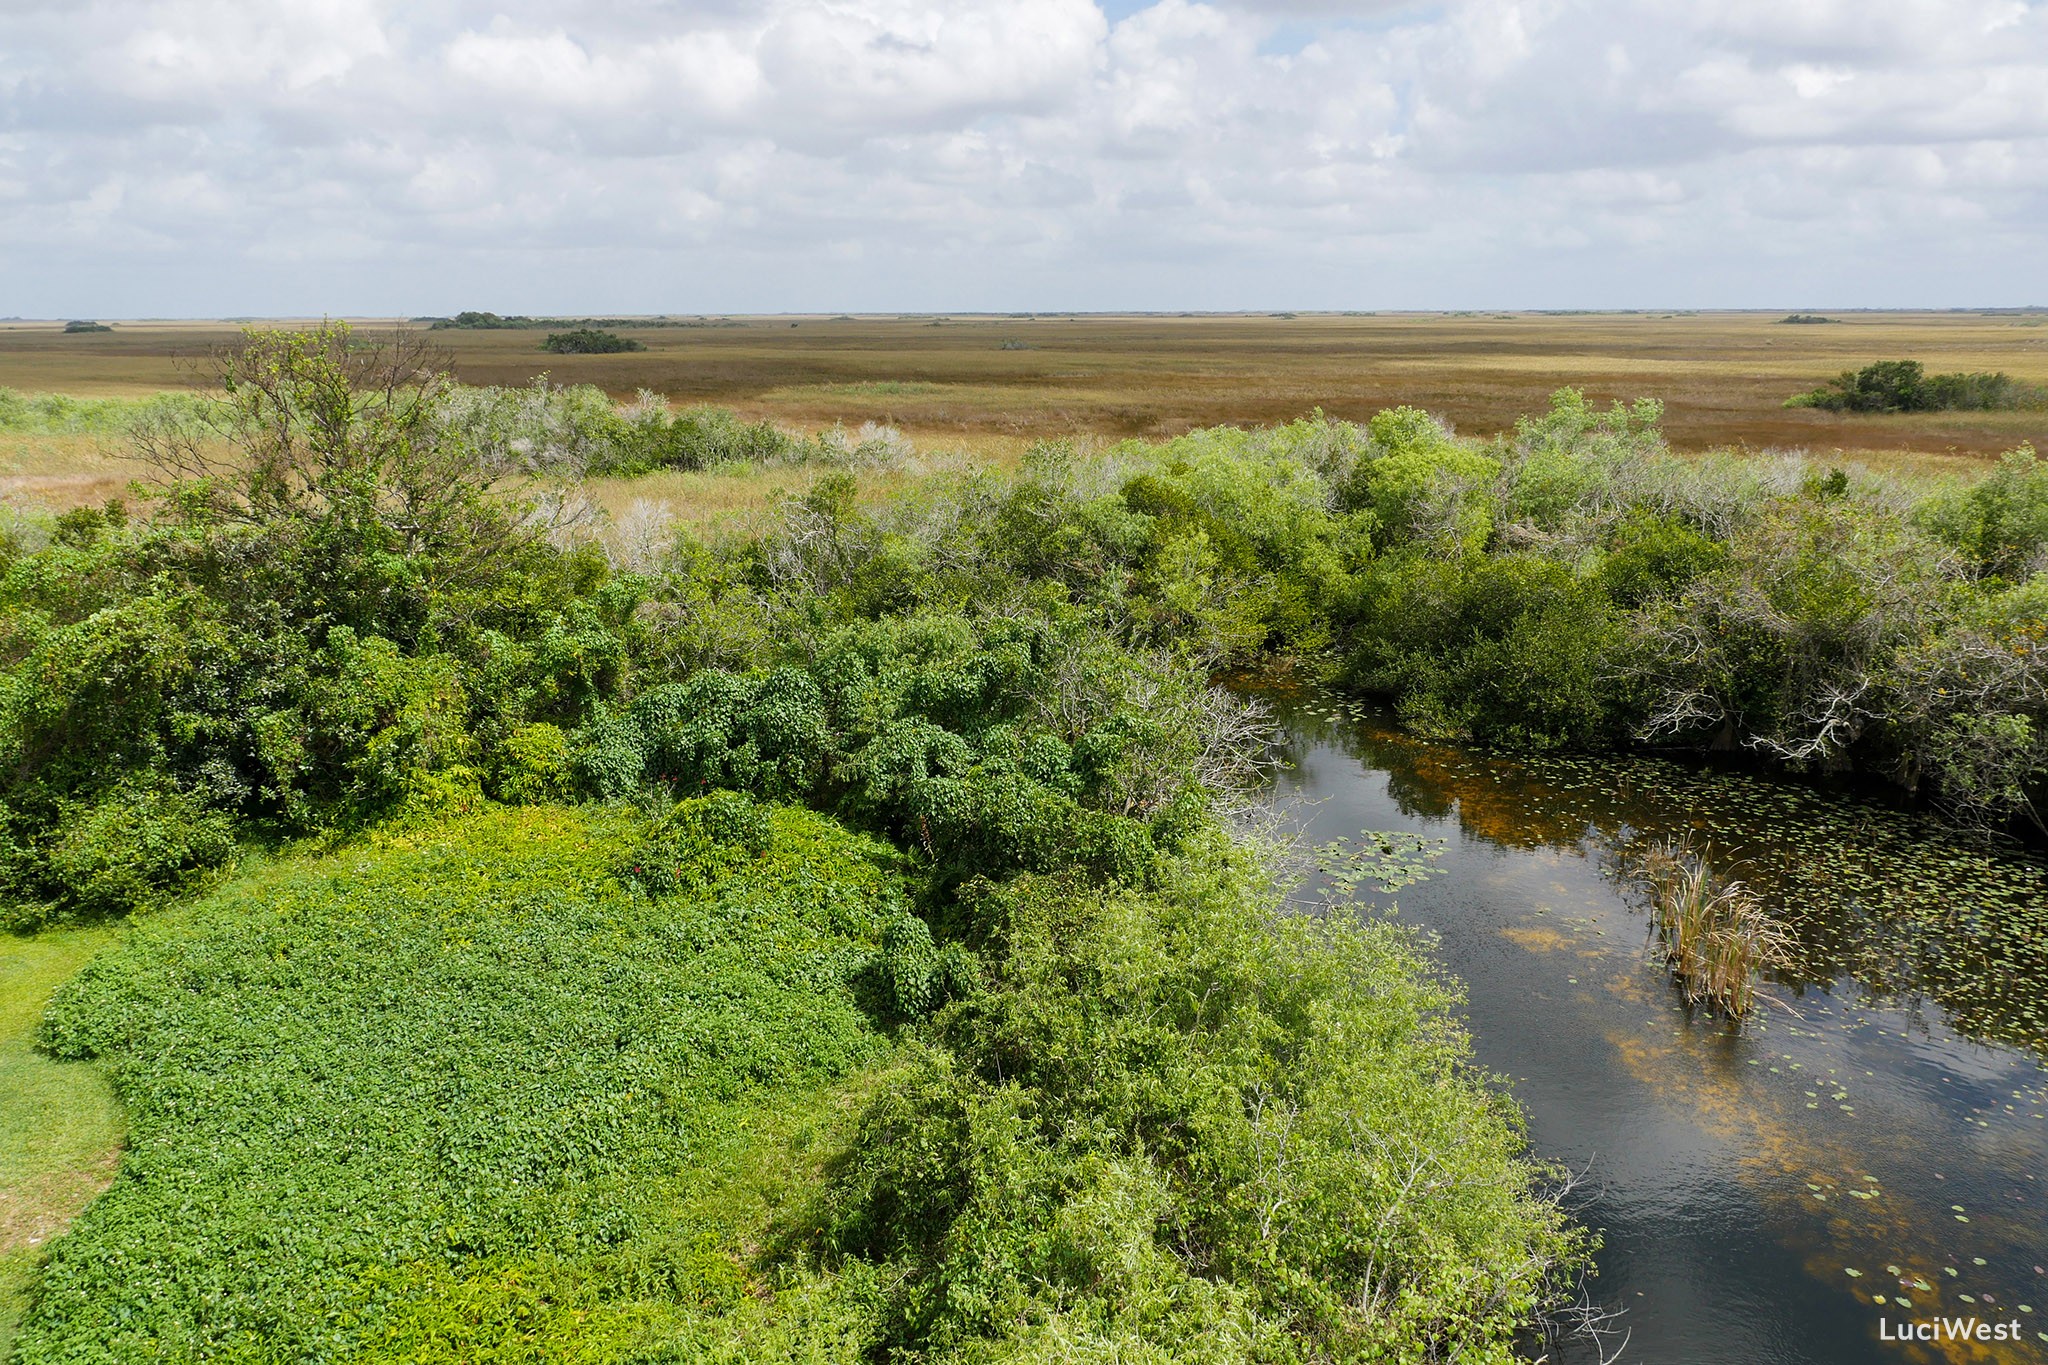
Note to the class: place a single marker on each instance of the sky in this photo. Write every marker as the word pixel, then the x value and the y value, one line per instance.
pixel 184 158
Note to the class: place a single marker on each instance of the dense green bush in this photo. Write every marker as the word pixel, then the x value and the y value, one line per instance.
pixel 127 848
pixel 929 729
pixel 1513 650
pixel 589 341
pixel 1171 1120
pixel 1423 485
pixel 2001 523
pixel 1905 386
pixel 534 765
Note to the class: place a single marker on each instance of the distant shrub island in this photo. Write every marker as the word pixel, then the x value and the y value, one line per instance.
pixel 1905 386
pixel 471 320
pixel 74 327
pixel 1804 318
pixel 589 341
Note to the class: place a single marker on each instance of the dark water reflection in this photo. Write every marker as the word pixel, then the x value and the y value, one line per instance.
pixel 1886 1111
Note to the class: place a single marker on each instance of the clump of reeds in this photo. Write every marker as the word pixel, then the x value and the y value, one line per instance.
pixel 1714 935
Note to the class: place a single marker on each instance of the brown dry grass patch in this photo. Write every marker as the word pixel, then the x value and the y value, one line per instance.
pixel 1723 376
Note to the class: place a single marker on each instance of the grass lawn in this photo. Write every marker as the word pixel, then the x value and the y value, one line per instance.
pixel 60 1129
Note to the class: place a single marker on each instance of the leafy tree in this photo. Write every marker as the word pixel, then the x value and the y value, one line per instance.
pixel 588 341
pixel 1905 386
pixel 322 483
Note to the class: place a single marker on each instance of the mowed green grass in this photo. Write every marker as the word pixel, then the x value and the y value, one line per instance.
pixel 971 381
pixel 461 1094
pixel 60 1129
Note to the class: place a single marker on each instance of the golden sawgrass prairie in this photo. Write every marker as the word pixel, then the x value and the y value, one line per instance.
pixel 1722 376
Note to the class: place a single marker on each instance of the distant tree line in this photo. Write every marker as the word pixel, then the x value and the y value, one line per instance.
pixel 1905 386
pixel 472 321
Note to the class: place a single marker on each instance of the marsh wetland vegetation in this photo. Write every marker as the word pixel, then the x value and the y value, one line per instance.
pixel 524 870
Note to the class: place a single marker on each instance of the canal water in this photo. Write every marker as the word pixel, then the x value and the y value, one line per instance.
pixel 1869 1150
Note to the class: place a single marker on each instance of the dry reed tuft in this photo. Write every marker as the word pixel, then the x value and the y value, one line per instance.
pixel 1715 936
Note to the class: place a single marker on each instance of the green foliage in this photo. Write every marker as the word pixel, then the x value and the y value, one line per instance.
pixel 1513 649
pixel 1569 464
pixel 385 721
pixel 1421 484
pixel 57 414
pixel 917 975
pixel 697 842
pixel 129 849
pixel 651 437
pixel 1170 1120
pixel 534 765
pixel 1905 386
pixel 576 431
pixel 1650 557
pixel 2001 522
pixel 453 1095
pixel 923 728
pixel 589 341
pixel 74 327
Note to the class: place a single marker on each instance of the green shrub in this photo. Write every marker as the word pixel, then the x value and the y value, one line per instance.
pixel 125 850
pixel 1574 463
pixel 697 842
pixel 1650 557
pixel 1905 386
pixel 2000 523
pixel 1514 649
pixel 132 848
pixel 1097 1150
pixel 589 341
pixel 534 765
pixel 913 972
pixel 1422 485
pixel 651 438
pixel 385 721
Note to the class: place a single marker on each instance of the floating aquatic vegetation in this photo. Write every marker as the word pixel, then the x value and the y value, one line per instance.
pixel 1386 859
pixel 1892 898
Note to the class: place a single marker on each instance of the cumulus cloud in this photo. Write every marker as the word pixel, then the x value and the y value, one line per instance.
pixel 204 156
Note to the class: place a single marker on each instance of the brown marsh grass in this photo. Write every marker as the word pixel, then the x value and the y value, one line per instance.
pixel 1714 935
pixel 971 379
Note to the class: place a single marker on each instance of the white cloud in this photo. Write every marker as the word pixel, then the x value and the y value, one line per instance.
pixel 205 156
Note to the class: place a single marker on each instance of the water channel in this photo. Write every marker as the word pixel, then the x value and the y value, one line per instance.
pixel 1870 1149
